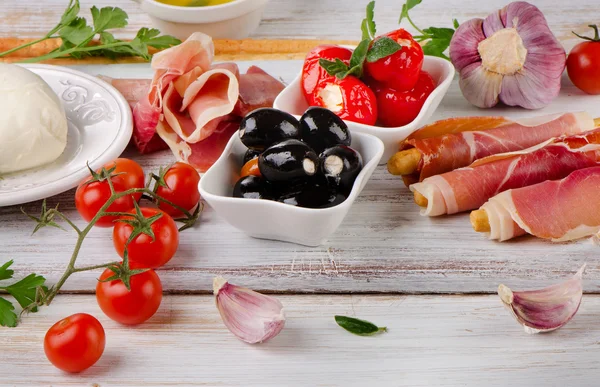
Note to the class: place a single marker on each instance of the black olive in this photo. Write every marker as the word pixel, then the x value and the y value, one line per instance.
pixel 266 126
pixel 335 198
pixel 311 196
pixel 251 187
pixel 288 160
pixel 340 165
pixel 321 129
pixel 250 154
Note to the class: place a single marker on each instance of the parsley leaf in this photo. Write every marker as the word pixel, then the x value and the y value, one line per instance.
pixel 76 35
pixel 410 4
pixel 8 318
pixel 381 48
pixel 108 18
pixel 24 291
pixel 77 32
pixel 437 40
pixel 368 26
pixel 5 272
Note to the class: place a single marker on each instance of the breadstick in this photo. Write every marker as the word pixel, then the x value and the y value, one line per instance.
pixel 480 221
pixel 404 162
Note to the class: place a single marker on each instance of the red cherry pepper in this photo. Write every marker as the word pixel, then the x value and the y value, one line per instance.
pixel 349 98
pixel 400 71
pixel 313 73
pixel 399 108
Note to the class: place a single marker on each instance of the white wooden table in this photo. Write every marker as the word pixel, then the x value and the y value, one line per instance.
pixel 382 246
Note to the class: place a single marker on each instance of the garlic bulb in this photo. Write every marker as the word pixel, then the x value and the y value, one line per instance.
pixel 511 56
pixel 251 316
pixel 546 309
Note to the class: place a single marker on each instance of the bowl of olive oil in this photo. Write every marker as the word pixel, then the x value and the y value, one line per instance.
pixel 221 19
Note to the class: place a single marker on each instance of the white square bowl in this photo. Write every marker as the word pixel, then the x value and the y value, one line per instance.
pixel 267 219
pixel 292 101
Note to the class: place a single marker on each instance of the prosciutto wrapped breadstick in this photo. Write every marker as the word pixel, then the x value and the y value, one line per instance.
pixel 455 143
pixel 469 188
pixel 559 210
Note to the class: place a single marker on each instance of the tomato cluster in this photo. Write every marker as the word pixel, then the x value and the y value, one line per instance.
pixel 391 91
pixel 129 293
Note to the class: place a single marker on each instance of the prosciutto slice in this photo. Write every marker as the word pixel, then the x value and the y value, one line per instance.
pixel 559 210
pixel 451 148
pixel 191 106
pixel 469 188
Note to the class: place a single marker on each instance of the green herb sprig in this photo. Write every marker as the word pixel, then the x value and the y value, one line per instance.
pixel 437 39
pixel 359 327
pixel 77 36
pixel 380 48
pixel 31 292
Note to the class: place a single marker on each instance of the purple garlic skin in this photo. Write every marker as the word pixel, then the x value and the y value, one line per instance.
pixel 547 309
pixel 510 57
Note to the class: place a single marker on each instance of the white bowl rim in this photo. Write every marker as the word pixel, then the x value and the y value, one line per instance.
pixel 348 202
pixel 383 129
pixel 195 9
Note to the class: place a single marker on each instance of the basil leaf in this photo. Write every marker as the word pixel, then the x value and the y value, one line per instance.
pixel 333 67
pixel 455 23
pixel 358 327
pixel 381 48
pixel 358 59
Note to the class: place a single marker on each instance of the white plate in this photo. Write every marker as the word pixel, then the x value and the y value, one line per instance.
pixel 100 126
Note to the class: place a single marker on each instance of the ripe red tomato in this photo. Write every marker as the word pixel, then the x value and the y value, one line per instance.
pixel 142 250
pixel 90 197
pixel 349 98
pixel 182 188
pixel 399 108
pixel 313 73
pixel 75 343
pixel 129 307
pixel 583 66
pixel 400 71
pixel 131 173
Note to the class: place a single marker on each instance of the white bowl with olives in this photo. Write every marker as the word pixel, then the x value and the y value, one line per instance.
pixel 290 180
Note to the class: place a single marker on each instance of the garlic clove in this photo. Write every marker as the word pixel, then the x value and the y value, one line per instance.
pixel 464 52
pixel 546 309
pixel 251 316
pixel 479 86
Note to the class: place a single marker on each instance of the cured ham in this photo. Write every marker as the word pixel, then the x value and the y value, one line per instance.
pixel 450 144
pixel 469 188
pixel 559 210
pixel 189 101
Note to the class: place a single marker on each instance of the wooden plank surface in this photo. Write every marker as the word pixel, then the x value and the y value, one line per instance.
pixel 383 245
pixel 432 341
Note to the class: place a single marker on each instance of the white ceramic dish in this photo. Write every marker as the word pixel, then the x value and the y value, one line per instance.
pixel 100 126
pixel 268 219
pixel 235 20
pixel 292 101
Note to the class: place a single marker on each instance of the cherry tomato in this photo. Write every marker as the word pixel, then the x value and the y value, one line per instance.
pixel 583 65
pixel 142 250
pixel 90 197
pixel 349 98
pixel 131 173
pixel 182 188
pixel 313 73
pixel 250 168
pixel 399 108
pixel 400 71
pixel 129 307
pixel 75 343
